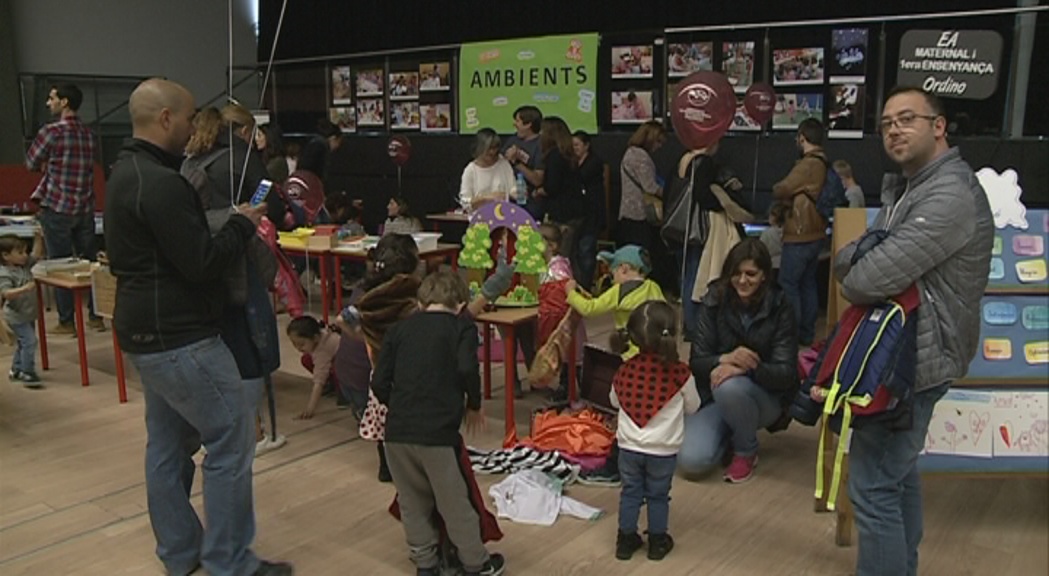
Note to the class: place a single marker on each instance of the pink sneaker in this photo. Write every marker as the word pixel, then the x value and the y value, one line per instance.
pixel 741 469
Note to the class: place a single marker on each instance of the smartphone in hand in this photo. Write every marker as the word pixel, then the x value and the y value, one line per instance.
pixel 261 192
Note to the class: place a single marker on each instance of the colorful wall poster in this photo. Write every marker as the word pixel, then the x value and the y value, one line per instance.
pixel 848 60
pixel 436 117
pixel 797 66
pixel 1019 258
pixel 434 77
pixel 632 61
pixel 1014 339
pixel 742 120
pixel 737 63
pixel 404 85
pixel 557 74
pixel 845 117
pixel 686 58
pixel 404 116
pixel 791 109
pixel 631 107
pixel 345 117
pixel 341 85
pixel 370 112
pixel 369 82
pixel 961 424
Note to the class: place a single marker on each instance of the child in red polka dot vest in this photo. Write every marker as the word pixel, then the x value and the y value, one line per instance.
pixel 653 391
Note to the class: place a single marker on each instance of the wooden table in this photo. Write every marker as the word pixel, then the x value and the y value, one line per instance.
pixel 78 287
pixel 509 319
pixel 321 254
pixel 436 219
pixel 450 251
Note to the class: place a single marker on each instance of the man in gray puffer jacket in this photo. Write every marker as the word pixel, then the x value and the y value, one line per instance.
pixel 940 231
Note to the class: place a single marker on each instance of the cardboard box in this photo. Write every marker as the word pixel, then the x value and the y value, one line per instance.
pixel 426 240
pixel 104 291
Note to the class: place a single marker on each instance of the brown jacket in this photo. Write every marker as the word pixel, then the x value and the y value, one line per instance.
pixel 799 190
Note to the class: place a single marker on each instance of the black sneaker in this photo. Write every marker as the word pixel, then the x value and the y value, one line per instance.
pixel 659 545
pixel 493 567
pixel 30 380
pixel 13 374
pixel 435 571
pixel 274 569
pixel 627 544
pixel 600 478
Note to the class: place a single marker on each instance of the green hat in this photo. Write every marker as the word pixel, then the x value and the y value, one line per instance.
pixel 631 254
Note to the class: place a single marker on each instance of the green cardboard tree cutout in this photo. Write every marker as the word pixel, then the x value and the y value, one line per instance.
pixel 476 244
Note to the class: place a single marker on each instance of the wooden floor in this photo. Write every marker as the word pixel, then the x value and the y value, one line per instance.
pixel 72 498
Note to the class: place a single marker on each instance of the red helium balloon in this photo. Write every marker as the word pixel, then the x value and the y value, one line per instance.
pixel 702 109
pixel 760 102
pixel 399 149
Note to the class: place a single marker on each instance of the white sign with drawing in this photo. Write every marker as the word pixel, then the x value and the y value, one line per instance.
pixel 960 425
pixel 1021 424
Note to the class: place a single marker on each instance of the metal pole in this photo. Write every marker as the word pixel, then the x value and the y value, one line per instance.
pixel 1019 71
pixel 879 99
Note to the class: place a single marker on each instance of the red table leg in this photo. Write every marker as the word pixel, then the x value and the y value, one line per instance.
pixel 338 283
pixel 324 287
pixel 455 261
pixel 41 330
pixel 78 307
pixel 510 367
pixel 572 366
pixel 118 359
pixel 487 361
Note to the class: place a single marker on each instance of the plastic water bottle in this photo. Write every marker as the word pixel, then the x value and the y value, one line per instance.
pixel 522 190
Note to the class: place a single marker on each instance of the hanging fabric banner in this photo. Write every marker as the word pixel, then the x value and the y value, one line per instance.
pixel 557 74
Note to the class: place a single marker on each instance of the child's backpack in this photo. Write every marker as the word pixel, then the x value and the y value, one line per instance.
pixel 868 369
pixel 832 195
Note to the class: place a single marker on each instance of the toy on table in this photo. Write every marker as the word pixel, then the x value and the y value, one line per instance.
pixel 511 224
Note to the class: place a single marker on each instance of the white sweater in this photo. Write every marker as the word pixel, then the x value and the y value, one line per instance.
pixel 478 181
pixel 665 432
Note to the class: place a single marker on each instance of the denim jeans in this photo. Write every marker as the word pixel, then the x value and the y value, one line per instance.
pixel 689 307
pixel 585 257
pixel 67 235
pixel 25 349
pixel 194 394
pixel 646 478
pixel 886 491
pixel 797 277
pixel 739 409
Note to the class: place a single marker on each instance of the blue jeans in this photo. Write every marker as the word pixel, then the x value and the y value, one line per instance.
pixel 646 478
pixel 25 349
pixel 194 394
pixel 690 308
pixel 739 409
pixel 886 492
pixel 64 236
pixel 797 277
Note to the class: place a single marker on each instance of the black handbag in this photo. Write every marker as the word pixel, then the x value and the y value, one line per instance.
pixel 685 223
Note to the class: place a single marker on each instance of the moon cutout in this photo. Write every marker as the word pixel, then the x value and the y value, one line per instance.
pixel 499 212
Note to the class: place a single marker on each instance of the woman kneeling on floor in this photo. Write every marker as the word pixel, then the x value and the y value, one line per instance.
pixel 744 359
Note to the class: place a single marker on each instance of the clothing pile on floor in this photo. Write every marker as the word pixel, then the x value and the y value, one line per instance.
pixel 564 444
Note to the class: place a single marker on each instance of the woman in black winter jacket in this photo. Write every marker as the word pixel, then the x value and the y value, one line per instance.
pixel 744 359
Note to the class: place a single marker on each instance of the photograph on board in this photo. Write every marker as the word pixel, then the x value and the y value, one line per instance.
pixel 684 59
pixel 341 85
pixel 737 63
pixel 370 112
pixel 632 61
pixel 436 117
pixel 369 82
pixel 434 77
pixel 797 66
pixel 631 107
pixel 345 117
pixel 791 109
pixel 404 85
pixel 848 62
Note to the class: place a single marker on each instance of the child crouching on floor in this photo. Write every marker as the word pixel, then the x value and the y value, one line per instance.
pixel 653 391
pixel 318 345
pixel 432 357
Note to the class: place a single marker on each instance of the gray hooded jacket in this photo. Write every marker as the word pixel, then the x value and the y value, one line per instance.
pixel 940 235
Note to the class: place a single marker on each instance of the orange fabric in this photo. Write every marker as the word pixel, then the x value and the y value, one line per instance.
pixel 582 433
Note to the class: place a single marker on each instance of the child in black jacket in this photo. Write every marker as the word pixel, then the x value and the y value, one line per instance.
pixel 432 357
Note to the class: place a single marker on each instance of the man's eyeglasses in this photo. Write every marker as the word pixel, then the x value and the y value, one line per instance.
pixel 904 121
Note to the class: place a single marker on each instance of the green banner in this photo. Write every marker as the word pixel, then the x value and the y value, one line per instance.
pixel 557 74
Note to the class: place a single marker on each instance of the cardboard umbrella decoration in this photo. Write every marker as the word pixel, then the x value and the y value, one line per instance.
pixel 760 102
pixel 399 149
pixel 702 109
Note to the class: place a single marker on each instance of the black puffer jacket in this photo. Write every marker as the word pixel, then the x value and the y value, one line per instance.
pixel 772 334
